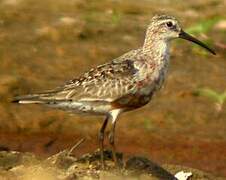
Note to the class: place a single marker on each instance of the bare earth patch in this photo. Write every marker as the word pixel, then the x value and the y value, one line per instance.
pixel 65 166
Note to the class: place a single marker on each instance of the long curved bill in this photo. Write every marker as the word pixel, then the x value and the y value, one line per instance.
pixel 188 37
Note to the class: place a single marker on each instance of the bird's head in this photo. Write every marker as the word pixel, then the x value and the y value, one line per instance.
pixel 166 28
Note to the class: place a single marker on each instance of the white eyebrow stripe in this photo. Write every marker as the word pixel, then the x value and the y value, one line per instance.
pixel 166 20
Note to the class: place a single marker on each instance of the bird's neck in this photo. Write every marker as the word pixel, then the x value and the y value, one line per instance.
pixel 157 49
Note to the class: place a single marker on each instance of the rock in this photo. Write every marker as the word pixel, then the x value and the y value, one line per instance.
pixel 183 175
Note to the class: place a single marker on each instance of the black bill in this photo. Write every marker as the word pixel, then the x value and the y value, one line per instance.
pixel 188 37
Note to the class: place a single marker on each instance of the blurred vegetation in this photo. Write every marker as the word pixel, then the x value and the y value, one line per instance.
pixel 204 26
pixel 214 96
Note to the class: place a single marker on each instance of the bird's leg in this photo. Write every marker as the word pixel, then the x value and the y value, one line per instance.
pixel 101 140
pixel 112 142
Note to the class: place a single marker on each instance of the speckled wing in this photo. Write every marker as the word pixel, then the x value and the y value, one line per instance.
pixel 104 83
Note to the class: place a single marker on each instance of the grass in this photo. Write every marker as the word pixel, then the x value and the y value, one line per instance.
pixel 217 98
pixel 203 27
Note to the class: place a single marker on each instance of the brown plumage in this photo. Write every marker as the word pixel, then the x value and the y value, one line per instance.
pixel 124 84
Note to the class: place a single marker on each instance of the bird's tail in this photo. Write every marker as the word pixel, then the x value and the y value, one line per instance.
pixel 28 99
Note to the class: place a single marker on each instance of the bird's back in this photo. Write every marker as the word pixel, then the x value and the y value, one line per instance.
pixel 99 87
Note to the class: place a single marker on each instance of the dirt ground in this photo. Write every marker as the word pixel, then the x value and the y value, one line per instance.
pixel 65 166
pixel 45 43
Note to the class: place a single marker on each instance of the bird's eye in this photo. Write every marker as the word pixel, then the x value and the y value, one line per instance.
pixel 169 24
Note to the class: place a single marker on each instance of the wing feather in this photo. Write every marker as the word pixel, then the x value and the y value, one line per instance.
pixel 106 82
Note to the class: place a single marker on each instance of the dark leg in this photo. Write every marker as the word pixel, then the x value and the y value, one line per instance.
pixel 112 142
pixel 101 140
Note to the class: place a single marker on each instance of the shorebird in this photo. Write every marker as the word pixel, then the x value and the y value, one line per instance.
pixel 123 84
